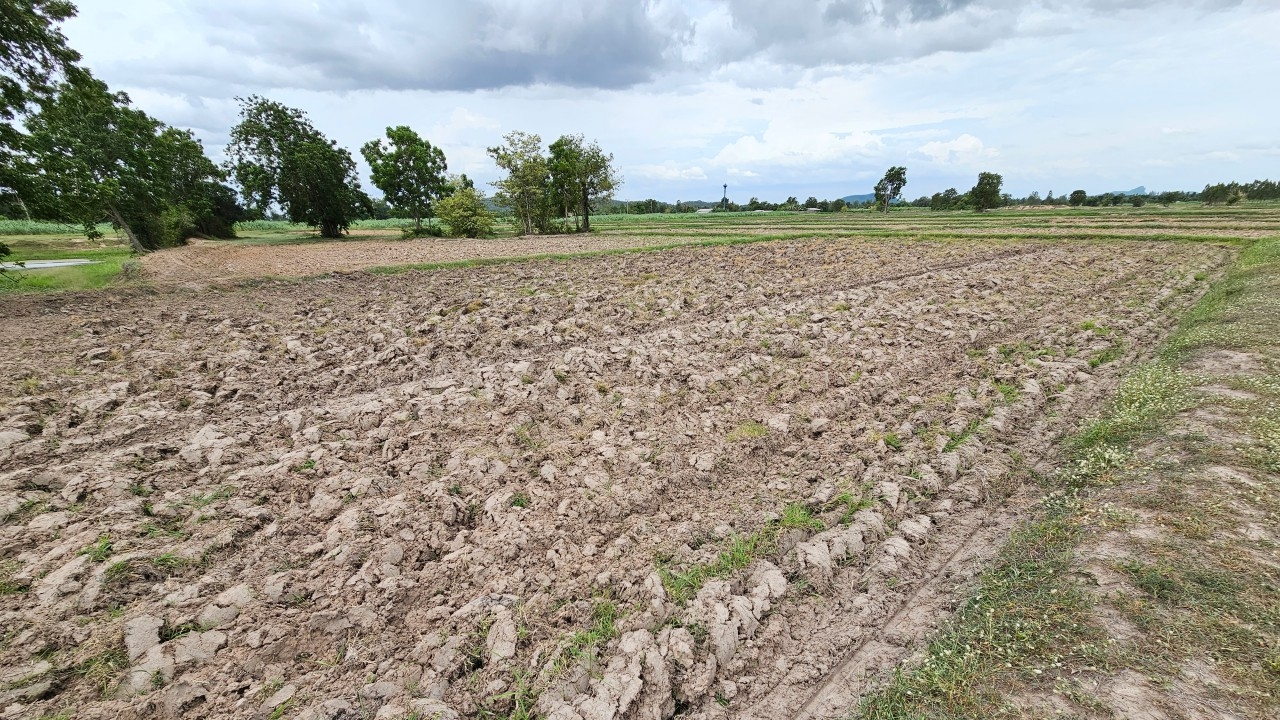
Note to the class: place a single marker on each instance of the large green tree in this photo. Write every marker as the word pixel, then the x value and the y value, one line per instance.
pixel 986 194
pixel 890 187
pixel 525 189
pixel 278 157
pixel 33 53
pixel 409 171
pixel 581 175
pixel 92 157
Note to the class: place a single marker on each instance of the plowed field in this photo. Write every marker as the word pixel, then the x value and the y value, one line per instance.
pixel 713 482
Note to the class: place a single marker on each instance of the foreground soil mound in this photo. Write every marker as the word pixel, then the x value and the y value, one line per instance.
pixel 700 482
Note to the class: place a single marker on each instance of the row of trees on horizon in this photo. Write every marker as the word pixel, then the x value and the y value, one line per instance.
pixel 951 199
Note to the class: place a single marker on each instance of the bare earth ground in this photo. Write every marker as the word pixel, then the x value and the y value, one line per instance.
pixel 204 262
pixel 722 482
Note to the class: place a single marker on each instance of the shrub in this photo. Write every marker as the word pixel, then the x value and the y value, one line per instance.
pixel 465 213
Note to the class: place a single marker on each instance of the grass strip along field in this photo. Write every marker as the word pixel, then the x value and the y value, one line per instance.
pixel 1148 585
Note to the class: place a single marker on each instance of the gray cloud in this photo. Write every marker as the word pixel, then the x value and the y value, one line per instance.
pixel 465 45
pixel 818 33
pixel 406 45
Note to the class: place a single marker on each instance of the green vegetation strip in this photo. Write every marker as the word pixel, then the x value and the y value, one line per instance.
pixel 1029 621
pixel 683 585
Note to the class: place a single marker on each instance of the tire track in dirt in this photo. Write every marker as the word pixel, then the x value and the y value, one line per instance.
pixel 918 608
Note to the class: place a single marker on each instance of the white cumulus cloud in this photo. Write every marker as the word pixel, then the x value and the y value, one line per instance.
pixel 964 150
pixel 669 171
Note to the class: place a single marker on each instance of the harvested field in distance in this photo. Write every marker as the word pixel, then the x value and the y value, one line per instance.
pixel 216 262
pixel 721 481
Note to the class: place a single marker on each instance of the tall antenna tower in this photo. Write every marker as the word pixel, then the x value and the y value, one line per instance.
pixel 724 202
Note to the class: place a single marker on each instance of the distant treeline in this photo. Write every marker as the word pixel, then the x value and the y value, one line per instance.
pixel 1221 193
pixel 951 199
pixel 642 207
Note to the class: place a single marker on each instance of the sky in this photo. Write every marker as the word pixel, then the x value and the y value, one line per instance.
pixel 773 98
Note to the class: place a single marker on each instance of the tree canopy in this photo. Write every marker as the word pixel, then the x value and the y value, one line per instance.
pixel 278 157
pixel 525 188
pixel 986 194
pixel 572 180
pixel 92 157
pixel 33 52
pixel 890 187
pixel 948 199
pixel 409 171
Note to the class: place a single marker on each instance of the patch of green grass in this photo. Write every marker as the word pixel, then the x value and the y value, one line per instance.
pixel 604 616
pixel 162 566
pixel 204 500
pixel 1146 396
pixel 1107 355
pixel 281 709
pixel 683 585
pixel 9 586
pixel 529 435
pixel 75 277
pixel 892 440
pixel 852 504
pixel 518 703
pixel 100 550
pixel 1009 391
pixel 957 439
pixel 12 227
pixel 1027 618
pixel 1096 328
pixel 797 516
pixel 172 632
pixel 103 670
pixel 748 430
pixel 25 512
pixel 165 530
pixel 521 500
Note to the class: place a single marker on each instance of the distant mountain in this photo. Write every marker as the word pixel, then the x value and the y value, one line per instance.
pixel 869 197
pixel 1140 190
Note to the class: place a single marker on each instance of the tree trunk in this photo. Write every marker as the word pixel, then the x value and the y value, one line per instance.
pixel 586 211
pixel 119 222
pixel 330 229
pixel 417 224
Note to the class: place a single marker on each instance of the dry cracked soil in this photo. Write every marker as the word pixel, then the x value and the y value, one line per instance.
pixel 716 482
